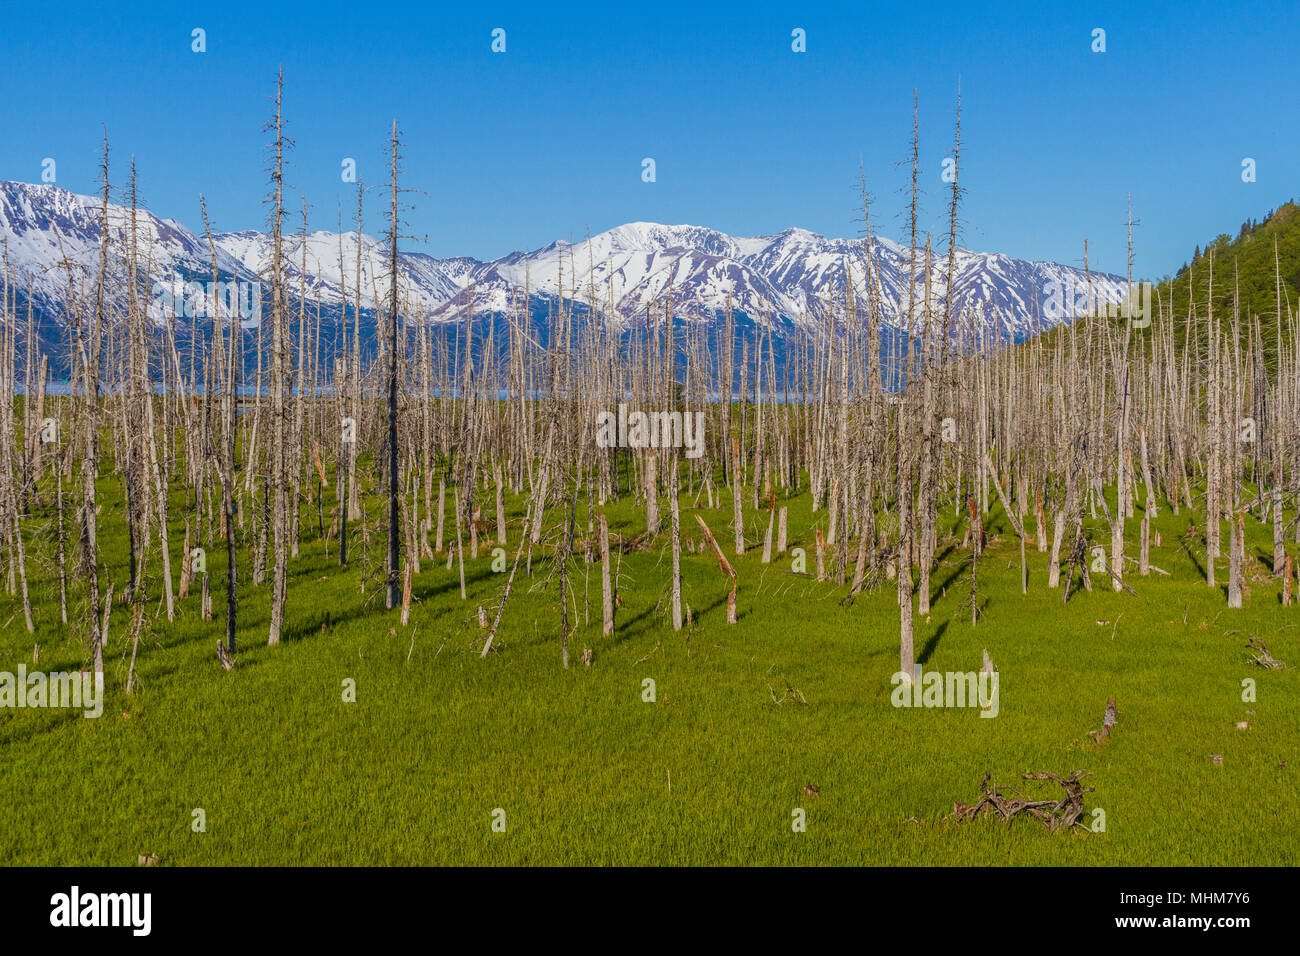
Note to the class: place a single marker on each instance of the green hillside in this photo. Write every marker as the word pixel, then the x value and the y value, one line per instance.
pixel 1249 260
pixel 1243 266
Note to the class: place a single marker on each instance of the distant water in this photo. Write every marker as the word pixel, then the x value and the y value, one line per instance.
pixel 250 391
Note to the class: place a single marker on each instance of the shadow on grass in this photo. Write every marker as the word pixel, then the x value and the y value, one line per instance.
pixel 1187 550
pixel 932 643
pixel 949 581
pixel 54 723
pixel 634 627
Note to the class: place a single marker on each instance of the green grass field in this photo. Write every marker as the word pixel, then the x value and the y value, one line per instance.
pixel 587 772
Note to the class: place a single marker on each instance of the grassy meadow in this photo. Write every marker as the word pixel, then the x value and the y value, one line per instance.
pixel 745 716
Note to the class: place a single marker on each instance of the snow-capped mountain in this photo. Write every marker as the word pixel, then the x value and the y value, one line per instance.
pixel 51 234
pixel 50 238
pixel 793 274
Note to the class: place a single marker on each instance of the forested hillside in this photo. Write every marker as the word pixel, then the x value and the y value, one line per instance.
pixel 1260 269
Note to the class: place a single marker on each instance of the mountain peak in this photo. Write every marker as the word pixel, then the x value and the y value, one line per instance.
pixel 627 269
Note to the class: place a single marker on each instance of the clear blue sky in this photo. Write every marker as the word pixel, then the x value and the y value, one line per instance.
pixel 546 140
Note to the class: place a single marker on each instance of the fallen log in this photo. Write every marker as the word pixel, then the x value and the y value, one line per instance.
pixel 1005 804
pixel 727 569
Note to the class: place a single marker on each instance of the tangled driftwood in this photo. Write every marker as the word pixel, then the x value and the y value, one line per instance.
pixel 1259 650
pixel 1005 803
pixel 640 542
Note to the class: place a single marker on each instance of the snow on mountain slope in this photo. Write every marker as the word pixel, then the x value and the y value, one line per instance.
pixel 51 238
pixel 625 271
pixel 643 265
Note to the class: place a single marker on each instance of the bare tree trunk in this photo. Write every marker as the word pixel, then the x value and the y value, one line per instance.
pixel 394 534
pixel 606 585
pixel 279 486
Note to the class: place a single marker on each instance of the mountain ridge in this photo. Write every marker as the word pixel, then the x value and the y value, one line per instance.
pixel 625 271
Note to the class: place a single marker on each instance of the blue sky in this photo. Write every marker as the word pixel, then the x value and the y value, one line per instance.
pixel 547 140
